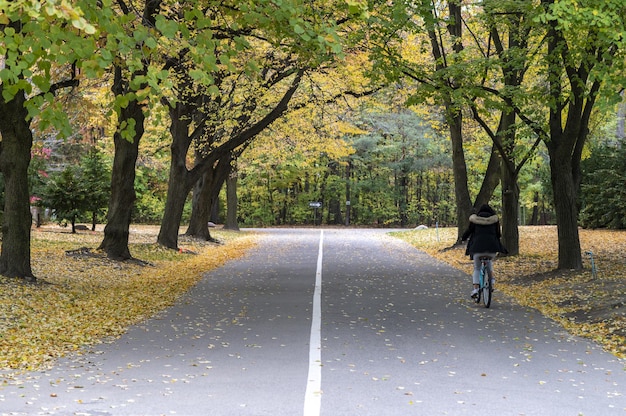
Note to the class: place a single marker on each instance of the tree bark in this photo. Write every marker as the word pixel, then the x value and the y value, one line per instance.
pixel 231 201
pixel 510 210
pixel 16 145
pixel 116 231
pixel 205 195
pixel 121 204
pixel 180 179
pixel 510 189
pixel 176 195
pixel 566 141
pixel 565 198
pixel 201 208
pixel 534 220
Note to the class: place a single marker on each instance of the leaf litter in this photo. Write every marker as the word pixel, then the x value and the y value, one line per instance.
pixel 83 298
pixel 586 304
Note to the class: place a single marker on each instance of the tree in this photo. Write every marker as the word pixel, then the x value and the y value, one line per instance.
pixel 132 46
pixel 570 70
pixel 67 195
pixel 580 64
pixel 182 179
pixel 78 189
pixel 403 143
pixel 509 30
pixel 96 179
pixel 260 69
pixel 39 60
pixel 574 57
pixel 206 195
pixel 438 27
pixel 454 115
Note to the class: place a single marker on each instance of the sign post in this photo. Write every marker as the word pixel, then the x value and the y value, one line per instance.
pixel 315 206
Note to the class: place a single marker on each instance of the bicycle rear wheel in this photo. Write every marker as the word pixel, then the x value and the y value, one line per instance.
pixel 487 290
pixel 481 281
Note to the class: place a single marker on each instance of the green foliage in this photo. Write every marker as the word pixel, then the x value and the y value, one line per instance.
pixel 66 194
pixel 603 195
pixel 76 190
pixel 399 174
pixel 151 190
pixel 405 170
pixel 96 177
pixel 36 40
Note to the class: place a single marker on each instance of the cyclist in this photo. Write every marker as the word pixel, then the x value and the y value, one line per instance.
pixel 484 241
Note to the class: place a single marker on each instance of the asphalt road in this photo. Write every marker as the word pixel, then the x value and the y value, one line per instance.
pixel 332 322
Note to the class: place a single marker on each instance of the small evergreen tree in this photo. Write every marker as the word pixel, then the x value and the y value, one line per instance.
pixel 78 190
pixel 67 195
pixel 96 178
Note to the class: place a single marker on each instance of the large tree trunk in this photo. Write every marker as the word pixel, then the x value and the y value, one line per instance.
pixel 565 199
pixel 565 146
pixel 461 190
pixel 116 231
pixel 205 195
pixel 231 201
pixel 510 210
pixel 121 204
pixel 201 208
pixel 180 182
pixel 177 193
pixel 510 189
pixel 16 145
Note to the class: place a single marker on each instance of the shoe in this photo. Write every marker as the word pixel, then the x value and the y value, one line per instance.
pixel 474 294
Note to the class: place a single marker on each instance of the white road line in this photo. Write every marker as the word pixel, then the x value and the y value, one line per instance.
pixel 313 395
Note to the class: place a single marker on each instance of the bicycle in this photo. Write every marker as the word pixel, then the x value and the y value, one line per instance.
pixel 485 284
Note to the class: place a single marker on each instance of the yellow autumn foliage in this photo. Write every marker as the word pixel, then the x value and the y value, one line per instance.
pixel 83 298
pixel 585 304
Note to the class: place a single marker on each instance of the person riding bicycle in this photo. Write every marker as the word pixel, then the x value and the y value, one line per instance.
pixel 484 241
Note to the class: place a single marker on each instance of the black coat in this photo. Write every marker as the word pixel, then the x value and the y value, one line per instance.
pixel 483 233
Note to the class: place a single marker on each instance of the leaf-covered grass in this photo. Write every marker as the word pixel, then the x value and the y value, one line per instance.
pixel 584 305
pixel 82 298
